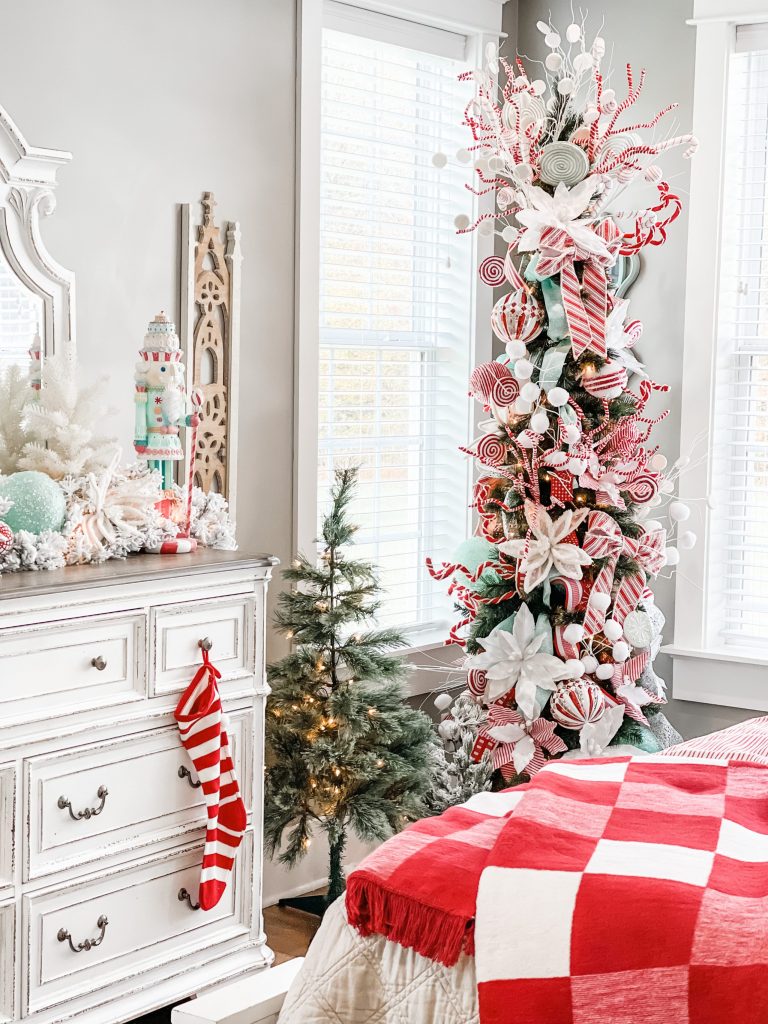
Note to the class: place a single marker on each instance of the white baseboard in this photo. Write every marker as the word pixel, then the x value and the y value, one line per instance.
pixel 303 889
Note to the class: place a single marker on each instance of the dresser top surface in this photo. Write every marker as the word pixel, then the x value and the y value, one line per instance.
pixel 135 568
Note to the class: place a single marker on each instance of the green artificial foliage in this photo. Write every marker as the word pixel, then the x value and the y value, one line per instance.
pixel 346 752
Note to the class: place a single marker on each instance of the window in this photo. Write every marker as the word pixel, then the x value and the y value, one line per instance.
pixel 738 566
pixel 396 296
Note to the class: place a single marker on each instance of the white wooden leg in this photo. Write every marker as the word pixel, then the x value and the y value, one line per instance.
pixel 255 999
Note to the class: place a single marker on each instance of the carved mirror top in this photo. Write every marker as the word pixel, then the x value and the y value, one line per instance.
pixel 37 294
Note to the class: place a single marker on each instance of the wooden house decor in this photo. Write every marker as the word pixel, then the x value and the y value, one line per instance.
pixel 210 334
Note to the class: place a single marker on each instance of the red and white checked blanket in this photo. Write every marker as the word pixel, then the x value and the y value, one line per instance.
pixel 629 890
pixel 616 891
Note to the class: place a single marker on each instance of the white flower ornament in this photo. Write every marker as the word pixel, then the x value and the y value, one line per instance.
pixel 516 660
pixel 563 211
pixel 547 548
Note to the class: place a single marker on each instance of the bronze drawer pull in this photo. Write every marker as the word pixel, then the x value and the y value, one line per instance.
pixel 184 897
pixel 185 773
pixel 90 812
pixel 64 936
pixel 205 644
pixel 99 663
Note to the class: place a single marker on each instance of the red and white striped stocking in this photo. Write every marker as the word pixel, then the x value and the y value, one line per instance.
pixel 203 730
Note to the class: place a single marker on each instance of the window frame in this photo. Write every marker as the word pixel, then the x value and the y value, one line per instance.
pixel 483 26
pixel 703 670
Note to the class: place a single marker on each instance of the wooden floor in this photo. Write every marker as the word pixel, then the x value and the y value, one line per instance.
pixel 289 932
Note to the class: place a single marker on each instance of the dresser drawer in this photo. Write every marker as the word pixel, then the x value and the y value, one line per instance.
pixel 7 825
pixel 177 631
pixel 7 951
pixel 101 800
pixel 137 920
pixel 88 663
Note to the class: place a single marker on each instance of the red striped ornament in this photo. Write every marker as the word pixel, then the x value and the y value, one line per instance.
pixel 517 316
pixel 608 382
pixel 493 384
pixel 6 538
pixel 575 704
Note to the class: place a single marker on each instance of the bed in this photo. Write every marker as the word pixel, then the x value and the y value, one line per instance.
pixel 539 920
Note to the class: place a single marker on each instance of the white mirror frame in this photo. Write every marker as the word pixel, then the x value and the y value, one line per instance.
pixel 27 183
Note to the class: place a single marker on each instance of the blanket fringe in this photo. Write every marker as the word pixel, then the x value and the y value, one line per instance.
pixel 436 934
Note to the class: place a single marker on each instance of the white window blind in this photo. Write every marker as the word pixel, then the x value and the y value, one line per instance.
pixel 396 287
pixel 739 546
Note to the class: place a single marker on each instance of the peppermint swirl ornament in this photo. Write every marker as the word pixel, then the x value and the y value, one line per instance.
pixel 477 681
pixel 575 704
pixel 491 450
pixel 491 271
pixel 517 316
pixel 6 538
pixel 563 162
pixel 643 488
pixel 638 629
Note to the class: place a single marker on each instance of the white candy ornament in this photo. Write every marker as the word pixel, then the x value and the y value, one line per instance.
pixel 563 161
pixel 604 672
pixel 576 704
pixel 638 629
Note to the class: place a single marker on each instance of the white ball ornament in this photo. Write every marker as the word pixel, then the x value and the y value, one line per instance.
pixel 543 27
pixel 463 156
pixel 538 87
pixel 609 96
pixel 525 441
pixel 565 86
pixel 679 511
pixel 590 663
pixel 583 62
pixel 443 701
pixel 604 672
pixel 553 62
pixel 598 48
pixel 573 633
pixel 591 114
pixel 687 540
pixel 523 369
pixel 486 228
pixel 653 525
pixel 539 421
pixel 521 406
pixel 577 466
pixel 552 39
pixel 671 556
pixel 530 391
pixel 620 650
pixel 666 487
pixel 575 668
pixel 515 349
pixel 439 160
pixel 556 458
pixel 638 629
pixel 509 234
pixel 462 222
pixel 557 397
pixel 600 601
pixel 572 434
pixel 573 33
pixel 658 461
pixel 613 630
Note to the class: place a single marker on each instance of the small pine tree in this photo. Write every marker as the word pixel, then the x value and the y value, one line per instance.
pixel 345 750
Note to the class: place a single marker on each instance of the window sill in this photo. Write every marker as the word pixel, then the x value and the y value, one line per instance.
pixel 730 678
pixel 424 640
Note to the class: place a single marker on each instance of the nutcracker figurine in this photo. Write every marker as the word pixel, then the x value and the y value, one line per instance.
pixel 160 399
pixel 161 412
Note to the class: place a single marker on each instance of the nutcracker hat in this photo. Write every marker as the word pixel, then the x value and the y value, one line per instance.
pixel 161 343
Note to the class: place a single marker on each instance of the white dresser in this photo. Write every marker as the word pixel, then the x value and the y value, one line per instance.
pixel 101 821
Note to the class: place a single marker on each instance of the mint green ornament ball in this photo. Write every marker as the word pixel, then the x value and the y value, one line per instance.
pixel 38 502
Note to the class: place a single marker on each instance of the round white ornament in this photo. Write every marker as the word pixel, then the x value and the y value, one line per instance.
pixel 687 540
pixel 658 461
pixel 600 601
pixel 573 633
pixel 557 397
pixel 553 62
pixel 672 556
pixel 523 369
pixel 638 629
pixel 572 434
pixel 530 391
pixel 589 661
pixel 515 349
pixel 443 701
pixel 439 160
pixel 575 667
pixel 612 630
pixel 461 222
pixel 521 407
pixel 620 650
pixel 604 672
pixel 573 33
pixel 539 422
pixel 552 39
pixel 679 511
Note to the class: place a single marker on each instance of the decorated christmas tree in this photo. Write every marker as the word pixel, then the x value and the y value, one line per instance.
pixel 557 617
pixel 346 750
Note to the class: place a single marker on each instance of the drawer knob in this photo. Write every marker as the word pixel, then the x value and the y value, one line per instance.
pixel 90 812
pixel 185 773
pixel 184 897
pixel 205 644
pixel 64 936
pixel 99 663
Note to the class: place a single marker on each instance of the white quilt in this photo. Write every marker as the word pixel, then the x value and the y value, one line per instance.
pixel 347 979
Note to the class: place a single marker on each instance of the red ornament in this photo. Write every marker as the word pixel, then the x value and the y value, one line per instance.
pixel 6 538
pixel 517 316
pixel 575 704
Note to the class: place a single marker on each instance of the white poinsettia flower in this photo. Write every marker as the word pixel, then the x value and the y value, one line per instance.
pixel 618 341
pixel 594 737
pixel 547 548
pixel 565 211
pixel 516 660
pixel 524 746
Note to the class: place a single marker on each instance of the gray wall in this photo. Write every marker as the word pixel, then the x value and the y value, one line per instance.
pixel 660 41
